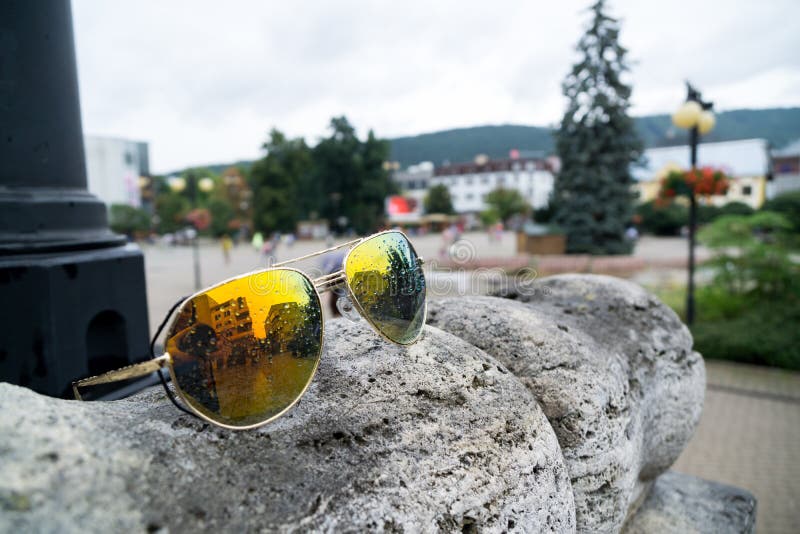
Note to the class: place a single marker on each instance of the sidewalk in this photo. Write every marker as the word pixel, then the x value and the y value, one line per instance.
pixel 749 436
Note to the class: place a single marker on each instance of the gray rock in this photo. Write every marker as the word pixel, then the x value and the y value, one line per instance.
pixel 613 369
pixel 681 504
pixel 437 436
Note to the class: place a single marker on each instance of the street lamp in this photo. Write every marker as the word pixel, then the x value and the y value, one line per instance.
pixel 696 116
pixel 191 184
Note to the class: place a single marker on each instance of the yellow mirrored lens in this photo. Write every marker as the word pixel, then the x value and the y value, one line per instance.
pixel 245 351
pixel 387 282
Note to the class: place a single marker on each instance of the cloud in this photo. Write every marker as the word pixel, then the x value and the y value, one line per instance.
pixel 204 81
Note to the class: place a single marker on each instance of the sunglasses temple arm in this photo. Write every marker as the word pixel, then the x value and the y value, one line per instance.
pixel 131 371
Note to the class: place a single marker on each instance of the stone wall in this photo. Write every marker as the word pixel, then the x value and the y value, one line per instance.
pixel 555 409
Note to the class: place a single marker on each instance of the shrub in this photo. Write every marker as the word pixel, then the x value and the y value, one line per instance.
pixel 751 255
pixel 662 220
pixel 128 220
pixel 746 313
pixel 735 208
pixel 787 204
pixel 759 334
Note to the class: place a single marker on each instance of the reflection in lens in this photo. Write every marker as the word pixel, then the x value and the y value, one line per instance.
pixel 387 282
pixel 245 350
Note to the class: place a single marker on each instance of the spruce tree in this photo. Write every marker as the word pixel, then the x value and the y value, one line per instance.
pixel 597 144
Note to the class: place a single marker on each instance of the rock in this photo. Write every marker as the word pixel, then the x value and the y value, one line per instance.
pixel 612 368
pixel 680 503
pixel 436 436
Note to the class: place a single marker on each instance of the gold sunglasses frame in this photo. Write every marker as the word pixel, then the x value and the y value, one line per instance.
pixel 321 285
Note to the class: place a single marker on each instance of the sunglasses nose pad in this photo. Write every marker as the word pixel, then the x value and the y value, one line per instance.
pixel 346 308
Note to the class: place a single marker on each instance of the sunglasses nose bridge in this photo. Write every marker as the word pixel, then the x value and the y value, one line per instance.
pixel 330 281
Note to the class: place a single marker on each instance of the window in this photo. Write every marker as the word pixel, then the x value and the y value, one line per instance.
pixel 747 190
pixel 484 179
pixel 469 180
pixel 469 196
pixel 128 158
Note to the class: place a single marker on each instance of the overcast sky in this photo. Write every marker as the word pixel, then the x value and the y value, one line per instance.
pixel 204 81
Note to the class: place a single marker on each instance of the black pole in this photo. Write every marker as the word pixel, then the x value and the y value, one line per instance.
pixel 44 204
pixel 192 184
pixel 693 95
pixel 196 254
pixel 693 137
pixel 74 292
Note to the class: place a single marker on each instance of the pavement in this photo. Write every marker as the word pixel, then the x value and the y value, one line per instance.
pixel 170 270
pixel 749 434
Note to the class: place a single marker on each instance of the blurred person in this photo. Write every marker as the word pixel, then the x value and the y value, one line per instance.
pixel 632 234
pixel 498 231
pixel 268 251
pixel 448 238
pixel 258 241
pixel 227 245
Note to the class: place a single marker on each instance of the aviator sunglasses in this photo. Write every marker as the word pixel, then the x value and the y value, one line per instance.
pixel 241 353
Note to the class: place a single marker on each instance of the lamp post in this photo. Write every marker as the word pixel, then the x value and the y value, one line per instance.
pixel 695 115
pixel 191 184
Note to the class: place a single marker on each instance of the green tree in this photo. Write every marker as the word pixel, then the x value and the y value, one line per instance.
pixel 438 200
pixel 507 203
pixel 597 144
pixel 171 208
pixel 349 175
pixel 128 220
pixel 222 214
pixel 193 175
pixel 278 182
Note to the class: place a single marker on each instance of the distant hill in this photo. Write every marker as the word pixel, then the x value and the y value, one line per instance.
pixel 778 125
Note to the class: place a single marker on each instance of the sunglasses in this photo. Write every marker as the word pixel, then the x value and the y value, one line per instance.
pixel 241 353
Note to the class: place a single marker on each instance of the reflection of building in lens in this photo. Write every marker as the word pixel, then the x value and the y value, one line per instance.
pixel 293 328
pixel 231 319
pixel 229 363
pixel 370 287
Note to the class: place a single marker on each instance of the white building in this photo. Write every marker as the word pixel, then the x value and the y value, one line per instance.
pixel 415 180
pixel 113 168
pixel 469 183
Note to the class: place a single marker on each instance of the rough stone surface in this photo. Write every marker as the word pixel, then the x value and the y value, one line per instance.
pixel 613 369
pixel 437 436
pixel 680 504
